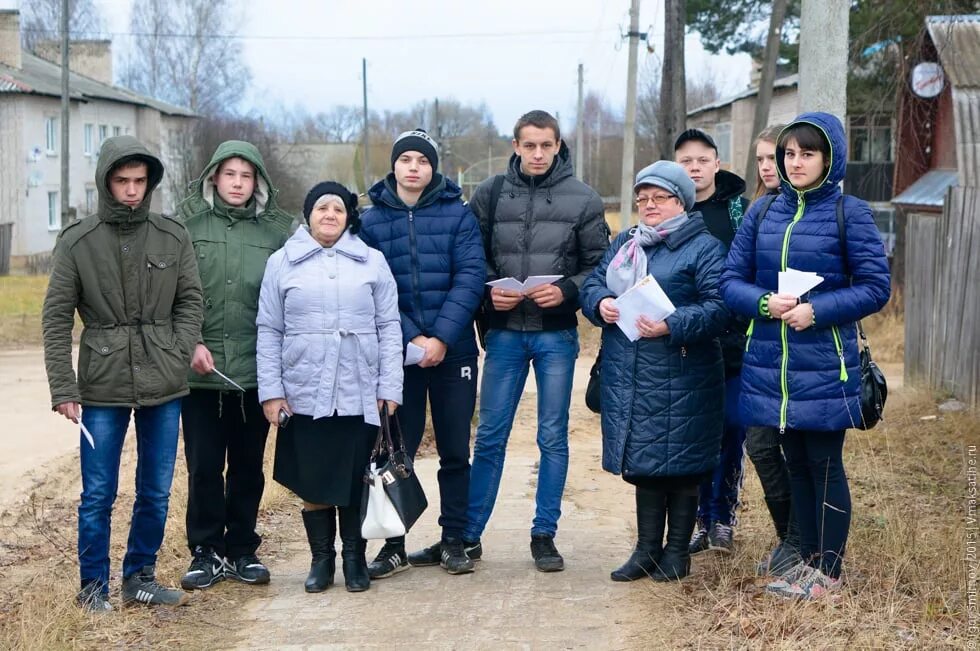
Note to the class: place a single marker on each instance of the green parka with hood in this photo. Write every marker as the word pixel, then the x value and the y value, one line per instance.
pixel 132 277
pixel 232 246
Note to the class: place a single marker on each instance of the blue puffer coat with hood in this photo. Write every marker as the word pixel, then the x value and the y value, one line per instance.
pixel 435 252
pixel 808 380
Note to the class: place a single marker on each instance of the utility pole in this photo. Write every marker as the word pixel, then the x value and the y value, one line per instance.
pixel 65 108
pixel 629 128
pixel 764 98
pixel 673 84
pixel 579 129
pixel 365 145
pixel 823 56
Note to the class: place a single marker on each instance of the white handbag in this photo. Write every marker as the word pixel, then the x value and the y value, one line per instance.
pixel 381 519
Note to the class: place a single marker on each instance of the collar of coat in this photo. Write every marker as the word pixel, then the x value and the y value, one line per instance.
pixel 686 232
pixel 301 246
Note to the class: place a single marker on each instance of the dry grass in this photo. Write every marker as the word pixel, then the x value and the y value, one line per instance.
pixel 39 569
pixel 886 330
pixel 20 310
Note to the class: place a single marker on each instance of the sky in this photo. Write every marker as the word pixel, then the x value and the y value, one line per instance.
pixel 515 55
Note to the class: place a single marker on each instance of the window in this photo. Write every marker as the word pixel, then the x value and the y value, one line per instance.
pixel 884 215
pixel 116 131
pixel 89 135
pixel 51 135
pixel 870 139
pixel 723 138
pixel 90 201
pixel 54 212
pixel 103 133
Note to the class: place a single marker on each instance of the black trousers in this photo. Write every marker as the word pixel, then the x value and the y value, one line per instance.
pixel 450 391
pixel 222 507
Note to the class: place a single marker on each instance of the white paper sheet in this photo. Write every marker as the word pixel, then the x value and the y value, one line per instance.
pixel 797 283
pixel 413 354
pixel 645 298
pixel 514 285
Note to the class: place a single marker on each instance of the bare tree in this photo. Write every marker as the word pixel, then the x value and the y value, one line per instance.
pixel 764 99
pixel 184 53
pixel 41 20
pixel 673 116
pixel 700 90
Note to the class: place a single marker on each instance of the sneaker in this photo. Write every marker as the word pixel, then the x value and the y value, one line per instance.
pixel 390 561
pixel 546 556
pixel 206 569
pixel 453 557
pixel 699 541
pixel 432 555
pixel 720 538
pixel 143 588
pixel 796 573
pixel 92 599
pixel 248 569
pixel 813 586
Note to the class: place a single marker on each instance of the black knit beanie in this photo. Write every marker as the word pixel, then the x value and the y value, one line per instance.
pixel 417 140
pixel 332 187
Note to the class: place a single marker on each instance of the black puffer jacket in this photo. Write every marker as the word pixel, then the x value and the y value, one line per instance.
pixel 551 224
pixel 722 213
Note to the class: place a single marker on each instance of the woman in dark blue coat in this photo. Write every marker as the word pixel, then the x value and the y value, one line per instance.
pixel 801 370
pixel 662 395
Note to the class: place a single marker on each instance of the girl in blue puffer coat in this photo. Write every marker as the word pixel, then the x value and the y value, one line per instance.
pixel 801 370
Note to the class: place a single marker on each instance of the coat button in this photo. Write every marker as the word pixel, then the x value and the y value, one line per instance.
pixel 105 349
pixel 229 228
pixel 136 368
pixel 332 276
pixel 226 335
pixel 162 265
pixel 201 256
pixel 330 254
pixel 126 248
pixel 228 281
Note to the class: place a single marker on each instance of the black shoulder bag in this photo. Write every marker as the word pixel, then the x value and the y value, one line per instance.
pixel 482 314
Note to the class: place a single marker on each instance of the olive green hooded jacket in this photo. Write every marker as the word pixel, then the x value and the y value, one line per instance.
pixel 132 277
pixel 232 246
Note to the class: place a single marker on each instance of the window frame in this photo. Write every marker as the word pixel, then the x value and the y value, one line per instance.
pixel 54 211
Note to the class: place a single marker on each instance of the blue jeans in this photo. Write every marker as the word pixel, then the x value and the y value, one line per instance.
pixel 156 449
pixel 509 355
pixel 719 495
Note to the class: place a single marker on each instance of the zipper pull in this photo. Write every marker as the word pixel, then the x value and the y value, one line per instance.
pixel 411 216
pixel 843 367
pixel 782 430
pixel 683 351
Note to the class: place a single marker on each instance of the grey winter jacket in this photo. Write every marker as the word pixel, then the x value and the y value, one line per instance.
pixel 548 225
pixel 329 335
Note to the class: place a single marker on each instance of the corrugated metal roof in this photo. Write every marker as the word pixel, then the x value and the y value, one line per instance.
pixel 929 190
pixel 42 77
pixel 957 39
pixel 783 82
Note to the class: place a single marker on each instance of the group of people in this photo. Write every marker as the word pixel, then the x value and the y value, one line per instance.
pixel 228 319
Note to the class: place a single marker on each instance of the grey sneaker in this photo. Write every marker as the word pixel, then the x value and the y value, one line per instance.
pixel 798 572
pixel 699 541
pixel 143 588
pixel 92 599
pixel 720 538
pixel 391 560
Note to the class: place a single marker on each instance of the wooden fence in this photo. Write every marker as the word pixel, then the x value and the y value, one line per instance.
pixel 942 300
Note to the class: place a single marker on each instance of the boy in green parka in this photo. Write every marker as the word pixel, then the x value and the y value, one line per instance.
pixel 235 225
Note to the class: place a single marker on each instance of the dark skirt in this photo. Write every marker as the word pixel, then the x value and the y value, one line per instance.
pixel 323 460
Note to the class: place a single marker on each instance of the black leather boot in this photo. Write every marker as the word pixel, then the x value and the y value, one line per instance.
pixel 321 531
pixel 356 576
pixel 682 514
pixel 651 513
pixel 786 553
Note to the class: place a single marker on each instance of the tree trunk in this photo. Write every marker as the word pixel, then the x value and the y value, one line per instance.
pixel 673 90
pixel 768 78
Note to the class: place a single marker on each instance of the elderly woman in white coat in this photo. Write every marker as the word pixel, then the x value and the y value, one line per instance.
pixel 329 356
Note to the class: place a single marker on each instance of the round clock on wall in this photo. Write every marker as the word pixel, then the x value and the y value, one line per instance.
pixel 928 79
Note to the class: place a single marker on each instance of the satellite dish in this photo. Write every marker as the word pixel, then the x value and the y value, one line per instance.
pixel 35 179
pixel 34 155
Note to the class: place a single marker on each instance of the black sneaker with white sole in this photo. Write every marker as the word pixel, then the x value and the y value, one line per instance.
pixel 391 560
pixel 206 569
pixel 432 555
pixel 247 569
pixel 453 557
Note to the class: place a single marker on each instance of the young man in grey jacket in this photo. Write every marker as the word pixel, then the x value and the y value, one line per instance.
pixel 544 222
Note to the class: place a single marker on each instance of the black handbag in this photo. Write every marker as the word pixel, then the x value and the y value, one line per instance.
pixel 874 389
pixel 593 391
pixel 401 484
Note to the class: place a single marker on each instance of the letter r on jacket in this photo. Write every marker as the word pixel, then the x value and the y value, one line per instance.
pixel 466 372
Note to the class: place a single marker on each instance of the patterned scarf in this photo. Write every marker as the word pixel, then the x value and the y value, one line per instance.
pixel 629 265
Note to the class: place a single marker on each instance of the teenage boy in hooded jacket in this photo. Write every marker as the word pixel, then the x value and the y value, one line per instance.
pixel 235 225
pixel 432 243
pixel 132 277
pixel 719 200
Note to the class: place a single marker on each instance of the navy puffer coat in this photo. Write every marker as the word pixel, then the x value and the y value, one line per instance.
pixel 663 398
pixel 806 380
pixel 435 252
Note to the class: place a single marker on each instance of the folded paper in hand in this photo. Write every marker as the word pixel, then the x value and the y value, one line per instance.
pixel 797 283
pixel 515 285
pixel 645 298
pixel 413 354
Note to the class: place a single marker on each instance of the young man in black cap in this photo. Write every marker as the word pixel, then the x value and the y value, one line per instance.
pixel 719 199
pixel 432 243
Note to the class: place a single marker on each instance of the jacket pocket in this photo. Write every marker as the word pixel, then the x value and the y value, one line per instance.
pixel 167 361
pixel 161 277
pixel 101 361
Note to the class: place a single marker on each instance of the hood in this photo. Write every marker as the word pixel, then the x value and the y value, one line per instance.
pixel 833 130
pixel 301 245
pixel 202 189
pixel 112 151
pixel 727 185
pixel 561 168
pixel 385 192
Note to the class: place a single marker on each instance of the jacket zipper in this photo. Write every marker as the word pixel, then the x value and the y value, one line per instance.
pixel 526 257
pixel 783 384
pixel 840 353
pixel 416 280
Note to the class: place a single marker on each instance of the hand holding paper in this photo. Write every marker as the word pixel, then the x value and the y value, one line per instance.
pixel 645 298
pixel 413 354
pixel 514 285
pixel 797 283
